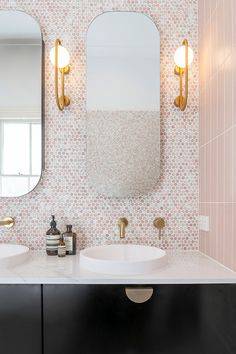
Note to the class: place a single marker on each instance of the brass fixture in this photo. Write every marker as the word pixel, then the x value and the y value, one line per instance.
pixel 122 223
pixel 139 295
pixel 183 58
pixel 7 222
pixel 60 59
pixel 159 223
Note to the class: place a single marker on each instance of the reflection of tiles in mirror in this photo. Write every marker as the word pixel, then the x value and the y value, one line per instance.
pixel 123 151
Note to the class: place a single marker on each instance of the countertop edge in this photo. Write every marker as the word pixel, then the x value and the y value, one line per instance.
pixel 184 267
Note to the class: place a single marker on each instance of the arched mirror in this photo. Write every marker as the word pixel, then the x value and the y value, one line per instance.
pixel 123 104
pixel 21 49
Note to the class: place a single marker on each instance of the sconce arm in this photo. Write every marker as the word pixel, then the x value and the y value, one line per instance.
pixel 181 100
pixel 63 100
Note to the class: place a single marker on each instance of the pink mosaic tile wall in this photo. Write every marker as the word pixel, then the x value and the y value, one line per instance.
pixel 63 189
pixel 217 57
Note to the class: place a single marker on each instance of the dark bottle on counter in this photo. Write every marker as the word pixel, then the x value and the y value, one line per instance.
pixel 69 238
pixel 61 248
pixel 52 238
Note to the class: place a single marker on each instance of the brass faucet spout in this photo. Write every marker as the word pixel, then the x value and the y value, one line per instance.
pixel 7 222
pixel 122 223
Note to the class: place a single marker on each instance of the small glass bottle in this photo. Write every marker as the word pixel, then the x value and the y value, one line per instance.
pixel 61 248
pixel 69 238
pixel 52 238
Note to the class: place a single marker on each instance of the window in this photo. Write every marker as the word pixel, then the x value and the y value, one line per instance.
pixel 20 156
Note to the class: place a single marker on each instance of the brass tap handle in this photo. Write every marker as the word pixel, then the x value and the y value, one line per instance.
pixel 7 222
pixel 159 223
pixel 122 223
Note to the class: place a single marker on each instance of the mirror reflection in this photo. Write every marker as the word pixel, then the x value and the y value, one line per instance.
pixel 20 103
pixel 123 104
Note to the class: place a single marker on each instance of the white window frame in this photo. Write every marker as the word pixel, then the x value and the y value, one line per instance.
pixel 30 122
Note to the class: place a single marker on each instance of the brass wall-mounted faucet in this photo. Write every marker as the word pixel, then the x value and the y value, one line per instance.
pixel 122 223
pixel 7 222
pixel 159 223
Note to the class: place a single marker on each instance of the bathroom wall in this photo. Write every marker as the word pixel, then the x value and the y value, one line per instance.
pixel 63 189
pixel 217 57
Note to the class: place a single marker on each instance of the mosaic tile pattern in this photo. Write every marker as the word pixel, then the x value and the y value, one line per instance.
pixel 63 189
pixel 123 152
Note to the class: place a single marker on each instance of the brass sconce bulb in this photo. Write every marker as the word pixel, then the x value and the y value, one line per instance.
pixel 183 58
pixel 60 58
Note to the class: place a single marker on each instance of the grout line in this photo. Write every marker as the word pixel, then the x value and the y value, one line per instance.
pixel 216 261
pixel 217 136
pixel 217 202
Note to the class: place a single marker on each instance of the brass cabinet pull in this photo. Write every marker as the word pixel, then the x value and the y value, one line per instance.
pixel 139 295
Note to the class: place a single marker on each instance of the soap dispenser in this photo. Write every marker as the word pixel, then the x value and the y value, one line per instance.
pixel 52 238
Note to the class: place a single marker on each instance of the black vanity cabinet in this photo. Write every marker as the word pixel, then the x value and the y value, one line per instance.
pixel 100 319
pixel 20 319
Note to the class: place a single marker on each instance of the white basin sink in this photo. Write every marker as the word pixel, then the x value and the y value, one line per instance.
pixel 124 259
pixel 12 255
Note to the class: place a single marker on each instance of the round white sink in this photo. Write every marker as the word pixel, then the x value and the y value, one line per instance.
pixel 122 259
pixel 12 255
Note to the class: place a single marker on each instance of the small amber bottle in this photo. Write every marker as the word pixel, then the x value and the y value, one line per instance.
pixel 61 248
pixel 69 238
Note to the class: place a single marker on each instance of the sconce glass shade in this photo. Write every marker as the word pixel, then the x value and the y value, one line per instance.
pixel 179 56
pixel 63 57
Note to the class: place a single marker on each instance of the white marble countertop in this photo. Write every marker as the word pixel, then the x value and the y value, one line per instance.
pixel 184 267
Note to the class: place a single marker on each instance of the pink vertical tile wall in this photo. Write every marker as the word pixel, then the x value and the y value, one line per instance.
pixel 217 60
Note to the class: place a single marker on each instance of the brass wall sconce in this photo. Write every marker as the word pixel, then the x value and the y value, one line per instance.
pixel 60 58
pixel 183 58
